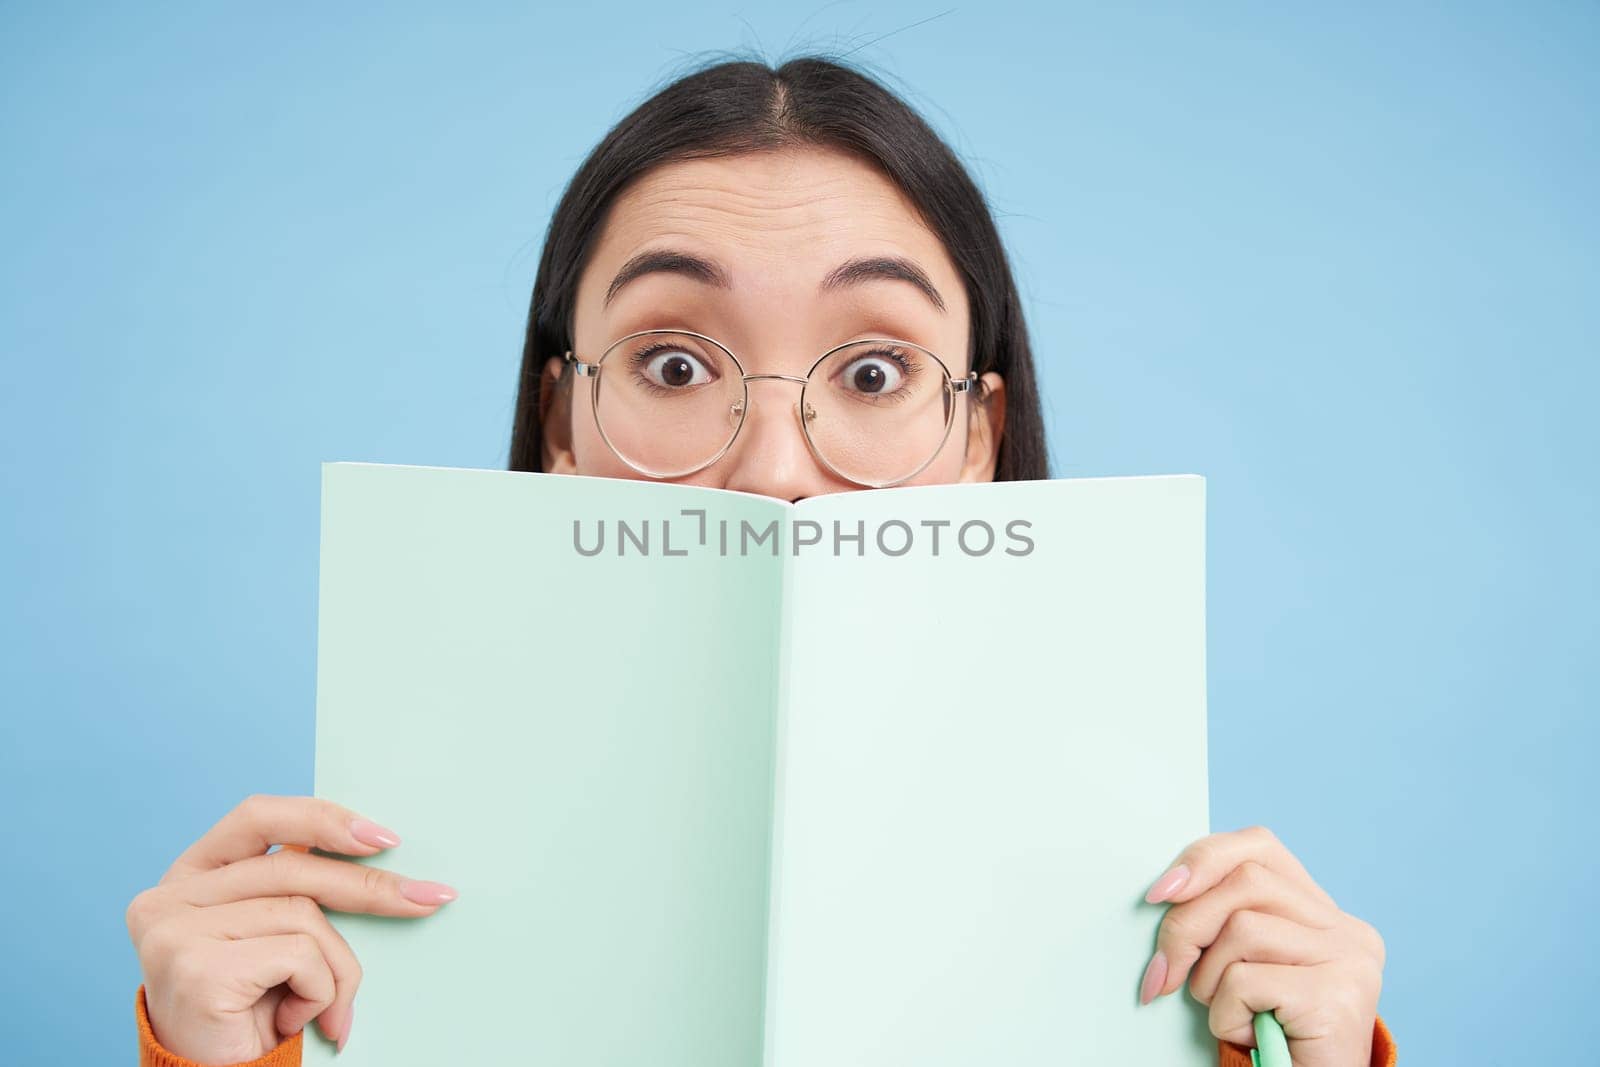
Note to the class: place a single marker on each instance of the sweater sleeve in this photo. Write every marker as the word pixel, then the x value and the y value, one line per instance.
pixel 287 1054
pixel 151 1054
pixel 1383 1054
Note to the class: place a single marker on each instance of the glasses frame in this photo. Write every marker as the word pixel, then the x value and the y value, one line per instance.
pixel 954 388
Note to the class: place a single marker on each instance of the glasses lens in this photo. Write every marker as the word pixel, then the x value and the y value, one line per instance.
pixel 877 411
pixel 668 403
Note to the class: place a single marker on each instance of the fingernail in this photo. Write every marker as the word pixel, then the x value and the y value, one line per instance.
pixel 1167 884
pixel 349 1021
pixel 1155 976
pixel 370 833
pixel 427 892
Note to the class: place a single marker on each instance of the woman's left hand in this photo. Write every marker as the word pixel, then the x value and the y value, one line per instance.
pixel 1251 931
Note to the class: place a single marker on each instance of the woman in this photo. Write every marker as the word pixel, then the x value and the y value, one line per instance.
pixel 745 225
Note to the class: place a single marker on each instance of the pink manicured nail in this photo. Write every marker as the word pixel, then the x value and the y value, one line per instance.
pixel 427 892
pixel 349 1021
pixel 1167 884
pixel 1155 976
pixel 370 833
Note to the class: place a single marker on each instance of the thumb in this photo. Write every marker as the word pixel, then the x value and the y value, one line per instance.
pixel 1286 990
pixel 294 1012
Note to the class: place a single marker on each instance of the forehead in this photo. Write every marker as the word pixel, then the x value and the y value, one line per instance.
pixel 779 220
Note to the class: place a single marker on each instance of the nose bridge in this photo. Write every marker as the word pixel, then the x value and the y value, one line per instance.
pixel 748 400
pixel 771 445
pixel 772 453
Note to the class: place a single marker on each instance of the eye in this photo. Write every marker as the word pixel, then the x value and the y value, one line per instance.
pixel 873 374
pixel 673 368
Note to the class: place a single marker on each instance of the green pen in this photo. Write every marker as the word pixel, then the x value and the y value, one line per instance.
pixel 1272 1048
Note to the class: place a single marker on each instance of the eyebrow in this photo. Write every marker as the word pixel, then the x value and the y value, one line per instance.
pixel 700 269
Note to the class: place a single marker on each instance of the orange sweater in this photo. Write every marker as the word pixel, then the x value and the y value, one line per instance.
pixel 287 1054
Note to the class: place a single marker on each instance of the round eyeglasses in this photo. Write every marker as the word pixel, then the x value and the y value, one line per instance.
pixel 671 402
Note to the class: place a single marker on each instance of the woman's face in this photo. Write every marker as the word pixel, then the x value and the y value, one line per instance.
pixel 770 228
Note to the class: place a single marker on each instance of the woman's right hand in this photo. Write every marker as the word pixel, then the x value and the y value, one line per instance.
pixel 237 955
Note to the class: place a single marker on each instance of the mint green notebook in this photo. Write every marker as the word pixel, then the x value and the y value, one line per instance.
pixel 879 778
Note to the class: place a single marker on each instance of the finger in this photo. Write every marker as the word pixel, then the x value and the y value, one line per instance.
pixel 1257 937
pixel 1208 861
pixel 262 821
pixel 294 960
pixel 333 883
pixel 263 917
pixel 1247 988
pixel 1187 929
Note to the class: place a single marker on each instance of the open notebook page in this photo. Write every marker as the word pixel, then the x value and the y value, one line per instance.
pixel 978 762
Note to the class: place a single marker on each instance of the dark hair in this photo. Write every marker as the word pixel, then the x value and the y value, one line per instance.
pixel 741 106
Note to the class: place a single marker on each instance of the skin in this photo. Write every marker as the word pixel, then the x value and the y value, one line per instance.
pixel 233 942
pixel 778 223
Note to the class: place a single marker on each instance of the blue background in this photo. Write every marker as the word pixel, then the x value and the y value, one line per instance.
pixel 1343 262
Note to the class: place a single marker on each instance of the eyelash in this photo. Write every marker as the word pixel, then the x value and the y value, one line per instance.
pixel 897 356
pixel 638 359
pixel 908 368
